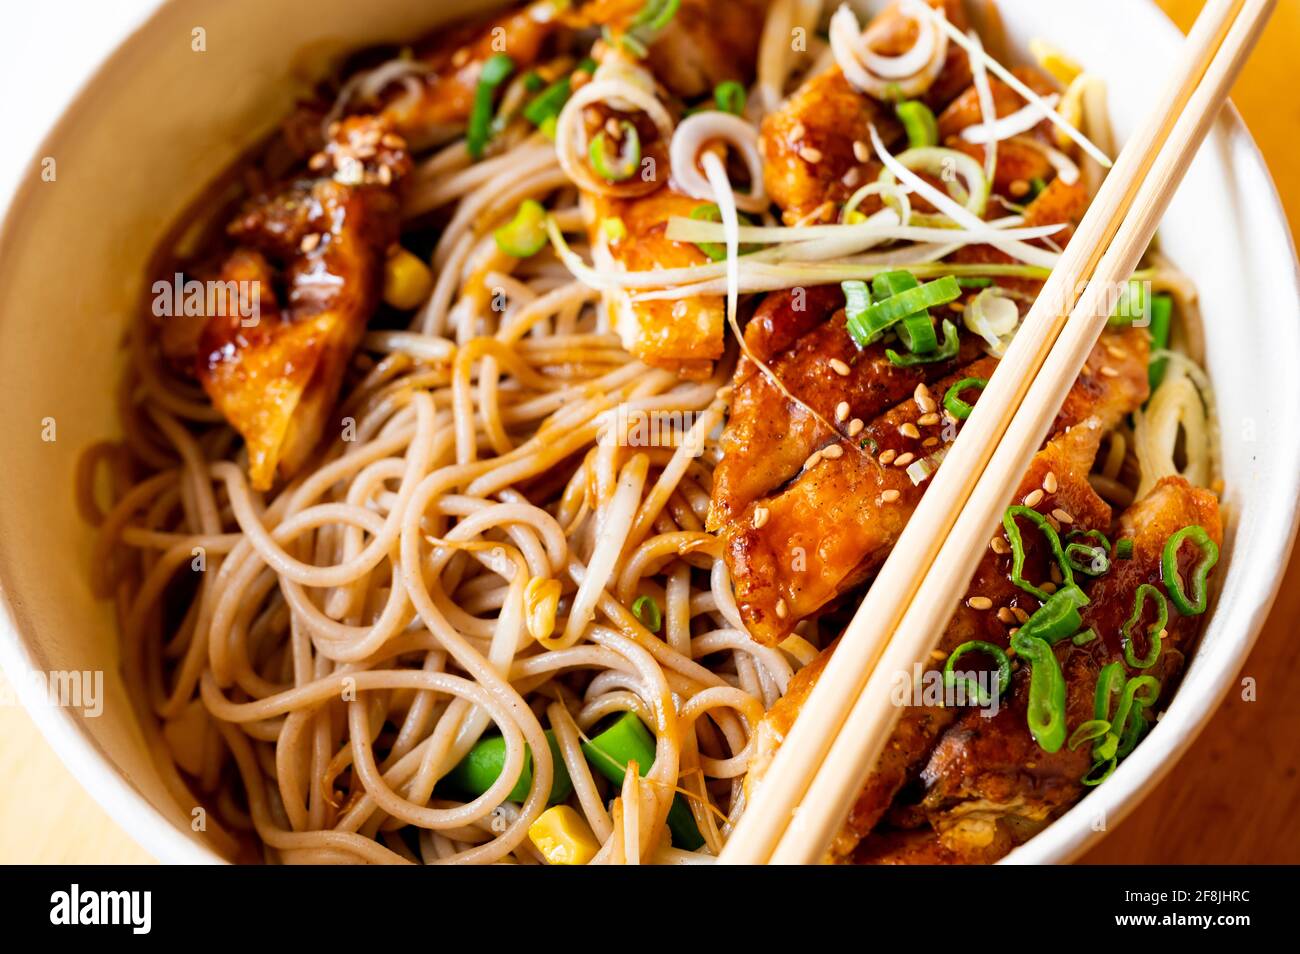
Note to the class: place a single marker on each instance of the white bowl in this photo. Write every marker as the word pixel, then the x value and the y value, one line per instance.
pixel 158 120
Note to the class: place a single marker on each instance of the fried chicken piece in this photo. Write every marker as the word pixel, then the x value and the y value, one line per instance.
pixel 275 377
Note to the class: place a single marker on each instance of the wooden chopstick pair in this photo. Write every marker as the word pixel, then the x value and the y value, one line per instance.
pixel 806 793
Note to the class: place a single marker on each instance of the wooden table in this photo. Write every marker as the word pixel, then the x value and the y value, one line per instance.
pixel 1233 798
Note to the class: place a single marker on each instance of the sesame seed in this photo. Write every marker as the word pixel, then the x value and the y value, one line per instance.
pixel 1048 587
pixel 318 162
pixel 856 426
pixel 889 496
pixel 1164 634
pixel 309 241
pixel 392 141
pixel 760 517
pixel 1053 523
pixel 1011 632
pixel 924 399
pixel 938 655
pixel 813 460
pixel 957 306
pixel 612 127
pixel 798 130
pixel 887 457
pixel 1062 516
pixel 1115 351
pixel 842 411
pixel 909 430
pixel 860 151
pixel 1057 578
pixel 1033 498
pixel 1006 616
pixel 782 611
pixel 904 459
pixel 926 420
pixel 930 442
pixel 1108 372
pixel 385 175
pixel 839 367
pixel 1018 188
pixel 834 452
pixel 979 603
pixel 1049 482
pixel 1021 615
pixel 852 177
pixel 999 545
pixel 810 154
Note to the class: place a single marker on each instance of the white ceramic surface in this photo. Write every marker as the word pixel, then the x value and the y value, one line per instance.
pixel 158 120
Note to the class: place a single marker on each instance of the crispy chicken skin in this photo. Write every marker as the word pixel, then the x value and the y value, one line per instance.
pixel 453 60
pixel 990 772
pixel 833 524
pixel 323 242
pixel 808 144
pixel 686 335
pixel 1068 458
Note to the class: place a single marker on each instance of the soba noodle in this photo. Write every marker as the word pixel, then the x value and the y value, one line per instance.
pixel 461 557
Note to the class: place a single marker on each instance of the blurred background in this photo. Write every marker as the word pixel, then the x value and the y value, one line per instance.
pixel 1234 798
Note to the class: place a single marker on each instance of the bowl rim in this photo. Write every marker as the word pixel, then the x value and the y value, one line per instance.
pixel 1058 843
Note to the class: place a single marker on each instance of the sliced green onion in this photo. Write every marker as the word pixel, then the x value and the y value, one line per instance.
pixel 973 689
pixel 1099 772
pixel 1124 549
pixel 1130 305
pixel 1130 721
pixel 1162 310
pixel 945 352
pixel 1110 683
pixel 1045 712
pixel 494 73
pixel 646 610
pixel 1088 560
pixel 919 122
pixel 1036 187
pixel 730 97
pixel 857 299
pixel 1018 548
pixel 586 65
pixel 1085 637
pixel 654 15
pixel 525 234
pixel 1087 732
pixel 629 156
pixel 1058 617
pixel 481 767
pixel 1144 592
pixel 916 332
pixel 628 740
pixel 548 103
pixel 1169 569
pixel 975 282
pixel 533 81
pixel 952 401
pixel 717 252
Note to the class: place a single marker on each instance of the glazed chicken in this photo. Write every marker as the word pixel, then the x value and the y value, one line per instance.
pixel 810 500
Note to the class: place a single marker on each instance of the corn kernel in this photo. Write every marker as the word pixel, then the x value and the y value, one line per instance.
pixel 1061 67
pixel 541 600
pixel 407 280
pixel 563 837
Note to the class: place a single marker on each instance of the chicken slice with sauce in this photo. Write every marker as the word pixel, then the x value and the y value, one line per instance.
pixel 1063 465
pixel 988 786
pixel 324 242
pixel 814 146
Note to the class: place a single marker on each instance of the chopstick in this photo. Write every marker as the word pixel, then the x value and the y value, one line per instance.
pixel 845 722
